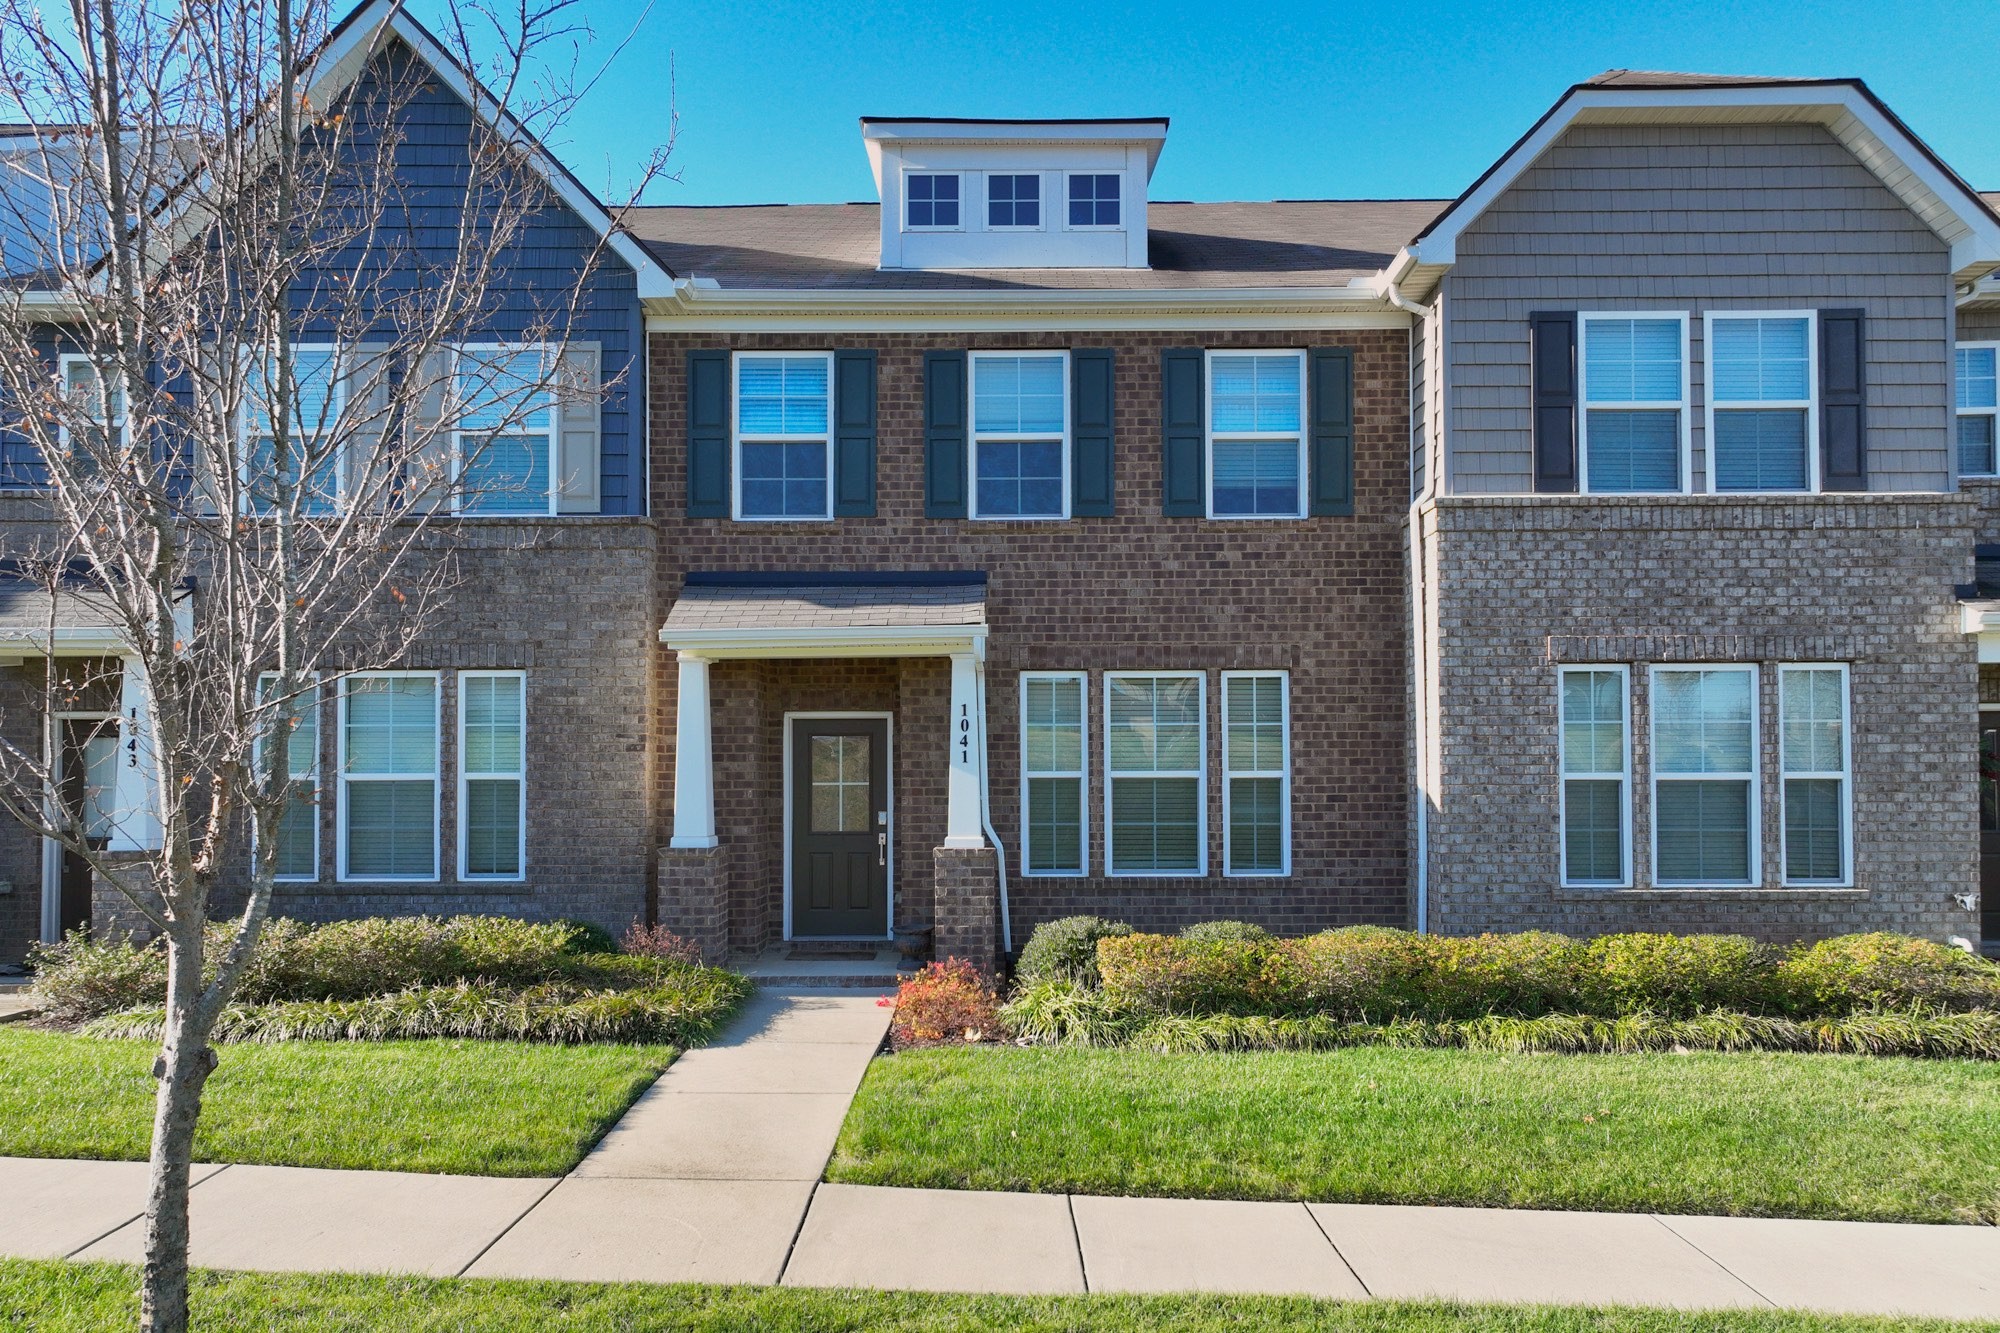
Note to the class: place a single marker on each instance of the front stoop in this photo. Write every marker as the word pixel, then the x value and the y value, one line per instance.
pixel 790 966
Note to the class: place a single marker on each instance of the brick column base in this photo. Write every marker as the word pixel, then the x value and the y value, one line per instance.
pixel 112 914
pixel 694 898
pixel 968 906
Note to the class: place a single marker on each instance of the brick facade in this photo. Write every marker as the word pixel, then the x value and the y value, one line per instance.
pixel 1322 598
pixel 1518 587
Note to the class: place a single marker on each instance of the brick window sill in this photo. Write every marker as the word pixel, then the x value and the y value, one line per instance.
pixel 1757 895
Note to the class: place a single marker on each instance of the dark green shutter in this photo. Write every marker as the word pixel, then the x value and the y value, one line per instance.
pixel 1330 388
pixel 1183 486
pixel 854 434
pixel 944 435
pixel 1552 349
pixel 708 434
pixel 1843 405
pixel 1091 398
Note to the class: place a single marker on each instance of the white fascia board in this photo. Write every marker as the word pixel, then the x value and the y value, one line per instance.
pixel 1150 135
pixel 342 62
pixel 1977 235
pixel 697 303
pixel 837 641
pixel 68 641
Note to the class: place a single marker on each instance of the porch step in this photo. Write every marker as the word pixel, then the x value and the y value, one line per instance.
pixel 846 966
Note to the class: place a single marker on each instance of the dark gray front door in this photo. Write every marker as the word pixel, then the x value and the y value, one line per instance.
pixel 88 767
pixel 840 826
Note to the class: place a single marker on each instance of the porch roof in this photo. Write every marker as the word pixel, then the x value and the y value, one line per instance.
pixel 787 614
pixel 70 617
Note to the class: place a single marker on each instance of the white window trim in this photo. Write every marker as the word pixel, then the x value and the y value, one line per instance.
pixel 313 776
pixel 1810 404
pixel 1845 777
pixel 553 431
pixel 1199 774
pixel 123 424
pixel 1081 773
pixel 1990 412
pixel 1585 404
pixel 436 779
pixel 1624 776
pixel 986 222
pixel 974 437
pixel 963 203
pixel 466 778
pixel 1753 777
pixel 336 406
pixel 737 438
pixel 1283 774
pixel 1124 204
pixel 1208 432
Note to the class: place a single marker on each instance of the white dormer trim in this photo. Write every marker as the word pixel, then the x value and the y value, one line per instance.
pixel 1847 110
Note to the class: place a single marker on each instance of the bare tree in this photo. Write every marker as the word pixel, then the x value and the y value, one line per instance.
pixel 231 357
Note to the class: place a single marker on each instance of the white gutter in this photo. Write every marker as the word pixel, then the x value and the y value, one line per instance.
pixel 986 805
pixel 1385 286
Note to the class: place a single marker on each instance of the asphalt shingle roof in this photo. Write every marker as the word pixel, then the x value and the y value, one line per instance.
pixel 809 605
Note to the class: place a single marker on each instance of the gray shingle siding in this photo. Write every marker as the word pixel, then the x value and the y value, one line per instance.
pixel 1695 218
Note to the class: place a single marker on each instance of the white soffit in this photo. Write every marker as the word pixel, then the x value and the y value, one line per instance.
pixel 1944 203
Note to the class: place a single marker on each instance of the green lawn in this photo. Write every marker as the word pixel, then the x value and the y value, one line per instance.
pixel 488 1108
pixel 1767 1134
pixel 54 1297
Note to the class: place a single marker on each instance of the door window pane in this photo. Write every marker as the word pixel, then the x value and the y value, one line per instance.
pixel 839 782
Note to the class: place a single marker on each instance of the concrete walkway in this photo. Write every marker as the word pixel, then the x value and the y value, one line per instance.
pixel 712 1177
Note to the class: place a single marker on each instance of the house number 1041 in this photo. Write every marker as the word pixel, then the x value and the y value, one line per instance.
pixel 964 735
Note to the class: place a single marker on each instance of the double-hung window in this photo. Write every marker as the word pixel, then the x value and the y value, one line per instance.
pixel 94 406
pixel 1814 753
pixel 389 776
pixel 1054 791
pixel 784 451
pixel 1155 763
pixel 1013 201
pixel 1763 431
pixel 1020 434
pixel 290 407
pixel 1596 777
pixel 505 443
pixel 1978 406
pixel 1705 776
pixel 1256 773
pixel 1256 434
pixel 297 723
pixel 1634 402
pixel 492 775
pixel 930 201
pixel 1093 199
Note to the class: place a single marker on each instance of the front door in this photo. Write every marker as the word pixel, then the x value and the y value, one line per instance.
pixel 1989 829
pixel 87 765
pixel 840 826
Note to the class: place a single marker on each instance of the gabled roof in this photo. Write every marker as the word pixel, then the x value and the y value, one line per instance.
pixel 834 247
pixel 360 36
pixel 1848 109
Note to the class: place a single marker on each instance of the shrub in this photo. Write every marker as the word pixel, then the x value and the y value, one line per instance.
pixel 659 942
pixel 1160 974
pixel 1676 975
pixel 1356 972
pixel 1065 1013
pixel 587 937
pixel 1531 973
pixel 946 1001
pixel 1853 972
pixel 1208 932
pixel 1066 949
pixel 78 978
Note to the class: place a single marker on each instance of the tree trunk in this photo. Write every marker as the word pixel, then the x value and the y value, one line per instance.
pixel 182 1068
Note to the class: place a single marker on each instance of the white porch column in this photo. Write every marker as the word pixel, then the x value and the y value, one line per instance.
pixel 135 822
pixel 694 757
pixel 966 734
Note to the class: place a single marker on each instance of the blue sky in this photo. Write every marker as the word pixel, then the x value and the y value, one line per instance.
pixel 1270 101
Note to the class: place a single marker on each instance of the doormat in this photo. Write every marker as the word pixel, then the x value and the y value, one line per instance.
pixel 808 955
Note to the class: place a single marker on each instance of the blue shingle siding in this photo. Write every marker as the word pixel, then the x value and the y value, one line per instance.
pixel 532 282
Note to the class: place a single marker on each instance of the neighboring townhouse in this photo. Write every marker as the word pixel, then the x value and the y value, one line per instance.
pixel 1595 551
pixel 1690 520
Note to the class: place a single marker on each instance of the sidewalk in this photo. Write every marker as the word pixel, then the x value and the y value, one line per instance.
pixel 712 1177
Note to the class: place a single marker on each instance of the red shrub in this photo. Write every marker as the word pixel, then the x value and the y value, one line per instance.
pixel 946 1002
pixel 659 942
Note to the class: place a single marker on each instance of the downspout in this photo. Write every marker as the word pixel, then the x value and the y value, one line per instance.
pixel 986 805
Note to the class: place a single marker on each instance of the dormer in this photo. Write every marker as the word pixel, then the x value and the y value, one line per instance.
pixel 1013 193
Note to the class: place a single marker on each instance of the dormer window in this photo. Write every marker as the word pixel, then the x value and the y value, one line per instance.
pixel 1093 199
pixel 1013 200
pixel 933 201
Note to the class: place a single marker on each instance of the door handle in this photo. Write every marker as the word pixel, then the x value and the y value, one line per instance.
pixel 882 849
